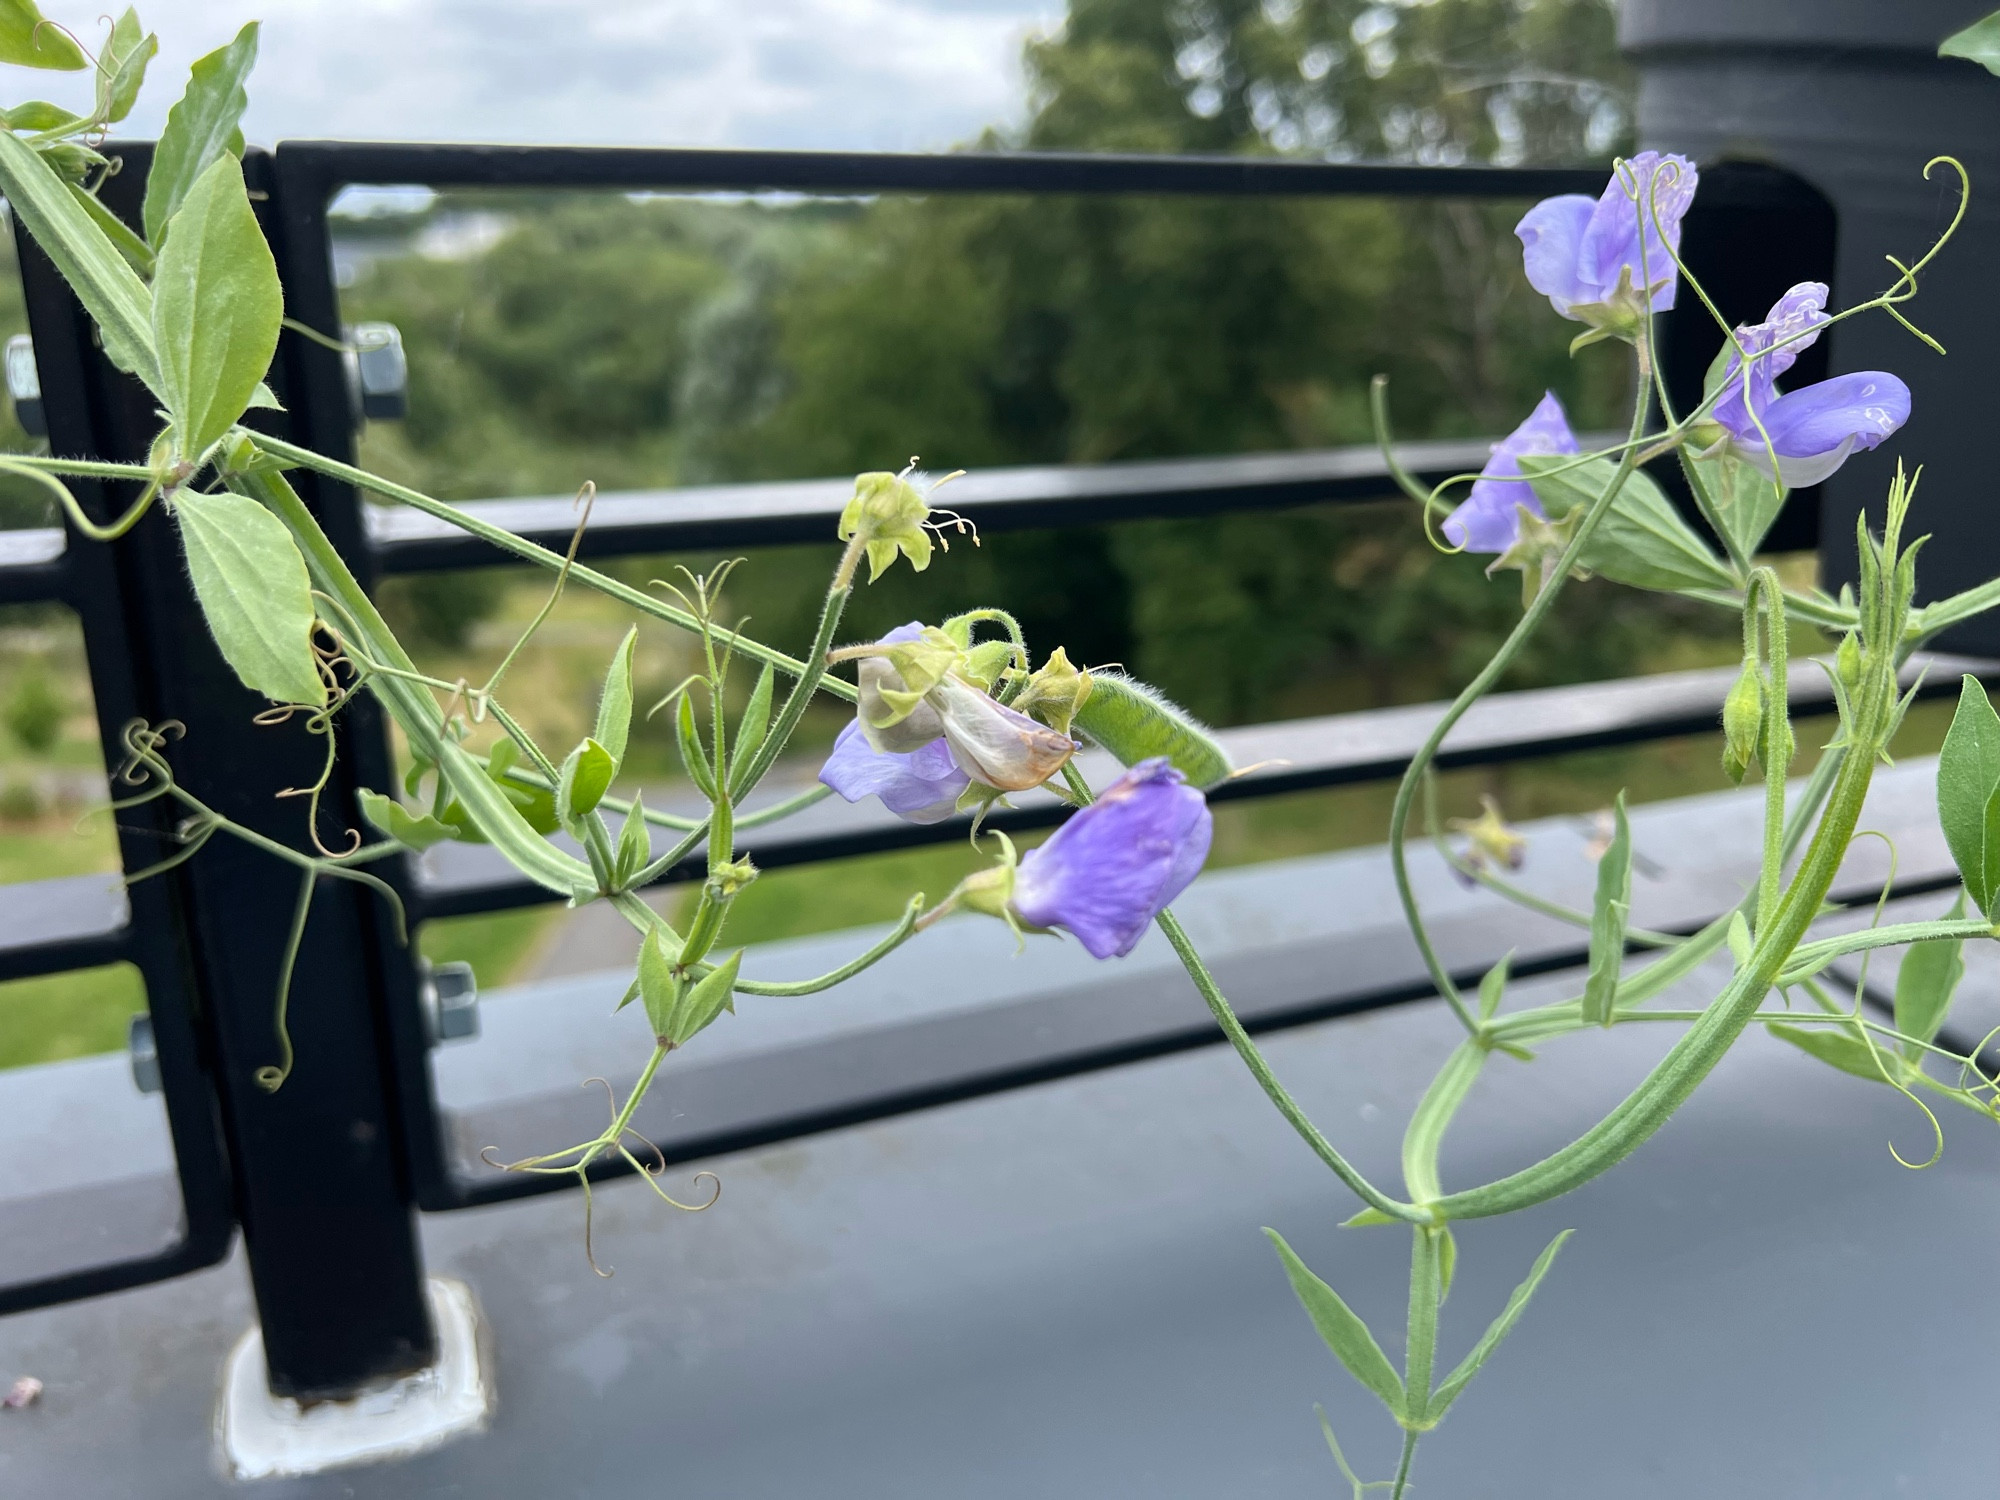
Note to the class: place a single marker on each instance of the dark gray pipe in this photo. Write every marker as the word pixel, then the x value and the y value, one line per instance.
pixel 1851 95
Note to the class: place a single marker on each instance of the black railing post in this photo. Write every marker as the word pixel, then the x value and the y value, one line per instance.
pixel 1851 95
pixel 320 1189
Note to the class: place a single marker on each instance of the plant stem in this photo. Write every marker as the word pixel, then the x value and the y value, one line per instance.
pixel 1530 621
pixel 1403 1468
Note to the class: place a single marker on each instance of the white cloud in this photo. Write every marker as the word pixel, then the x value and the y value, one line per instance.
pixel 861 74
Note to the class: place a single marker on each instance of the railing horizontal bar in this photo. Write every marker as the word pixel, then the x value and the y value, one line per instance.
pixel 340 163
pixel 1005 499
pixel 32 565
pixel 1298 755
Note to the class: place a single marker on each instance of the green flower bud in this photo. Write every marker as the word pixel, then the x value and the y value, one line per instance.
pixel 1742 723
pixel 891 513
pixel 1847 661
pixel 893 681
pixel 1489 840
pixel 1055 693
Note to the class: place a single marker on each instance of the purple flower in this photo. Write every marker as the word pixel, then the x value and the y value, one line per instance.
pixel 1580 253
pixel 920 787
pixel 1811 430
pixel 1114 866
pixel 1489 520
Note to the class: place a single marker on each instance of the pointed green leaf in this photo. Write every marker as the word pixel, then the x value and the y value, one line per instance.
pixel 413 830
pixel 586 777
pixel 1844 1048
pixel 502 825
pixel 1368 1218
pixel 1433 1115
pixel 631 994
pixel 635 844
pixel 110 291
pixel 704 1000
pixel 38 115
pixel 122 69
pixel 659 986
pixel 1493 987
pixel 1968 776
pixel 1642 540
pixel 28 39
pixel 614 705
pixel 1135 722
pixel 1745 501
pixel 1607 920
pixel 1343 1331
pixel 254 591
pixel 1447 1261
pixel 217 307
pixel 1456 1381
pixel 1924 986
pixel 753 726
pixel 200 128
pixel 1979 42
pixel 694 755
pixel 1741 944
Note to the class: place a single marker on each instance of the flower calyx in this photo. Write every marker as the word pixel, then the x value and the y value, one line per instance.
pixel 1054 692
pixel 891 514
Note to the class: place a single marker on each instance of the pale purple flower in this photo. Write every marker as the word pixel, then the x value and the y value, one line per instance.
pixel 993 744
pixel 1106 873
pixel 1812 430
pixel 1489 520
pixel 1576 250
pixel 917 728
pixel 920 787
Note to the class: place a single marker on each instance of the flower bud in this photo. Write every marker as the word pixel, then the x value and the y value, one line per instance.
pixel 1055 693
pixel 1847 661
pixel 1742 723
pixel 1489 840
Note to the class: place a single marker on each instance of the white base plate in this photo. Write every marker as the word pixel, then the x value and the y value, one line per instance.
pixel 271 1437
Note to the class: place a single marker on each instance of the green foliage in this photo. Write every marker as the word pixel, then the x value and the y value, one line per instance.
pixel 1609 909
pixel 1343 1332
pixel 29 40
pixel 1979 42
pixel 1968 793
pixel 1455 1383
pixel 1642 540
pixel 217 306
pixel 254 593
pixel 200 129
pixel 1929 974
pixel 35 713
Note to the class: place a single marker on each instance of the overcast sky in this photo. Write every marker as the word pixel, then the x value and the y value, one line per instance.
pixel 871 74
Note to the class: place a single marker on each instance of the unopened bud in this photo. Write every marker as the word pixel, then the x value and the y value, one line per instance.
pixel 1847 661
pixel 1742 723
pixel 1056 692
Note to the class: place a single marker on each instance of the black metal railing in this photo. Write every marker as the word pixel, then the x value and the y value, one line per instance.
pixel 324 1176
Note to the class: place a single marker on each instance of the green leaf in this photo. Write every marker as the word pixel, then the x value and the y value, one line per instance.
pixel 254 591
pixel 753 726
pixel 38 115
pixel 1608 913
pixel 1456 1381
pixel 614 705
pixel 1493 987
pixel 705 1000
pixel 1744 500
pixel 1343 1331
pixel 138 254
pixel 200 128
pixel 659 986
pixel 1642 541
pixel 26 38
pixel 1924 985
pixel 122 68
pixel 1135 722
pixel 413 830
pixel 1368 1218
pixel 1433 1115
pixel 496 817
pixel 1843 1048
pixel 110 291
pixel 1447 1261
pixel 1968 777
pixel 635 844
pixel 586 777
pixel 217 307
pixel 694 756
pixel 537 804
pixel 1979 42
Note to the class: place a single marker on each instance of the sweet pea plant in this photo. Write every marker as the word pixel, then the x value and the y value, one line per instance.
pixel 953 716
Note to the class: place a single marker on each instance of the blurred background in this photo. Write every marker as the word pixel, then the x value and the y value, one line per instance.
pixel 649 341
